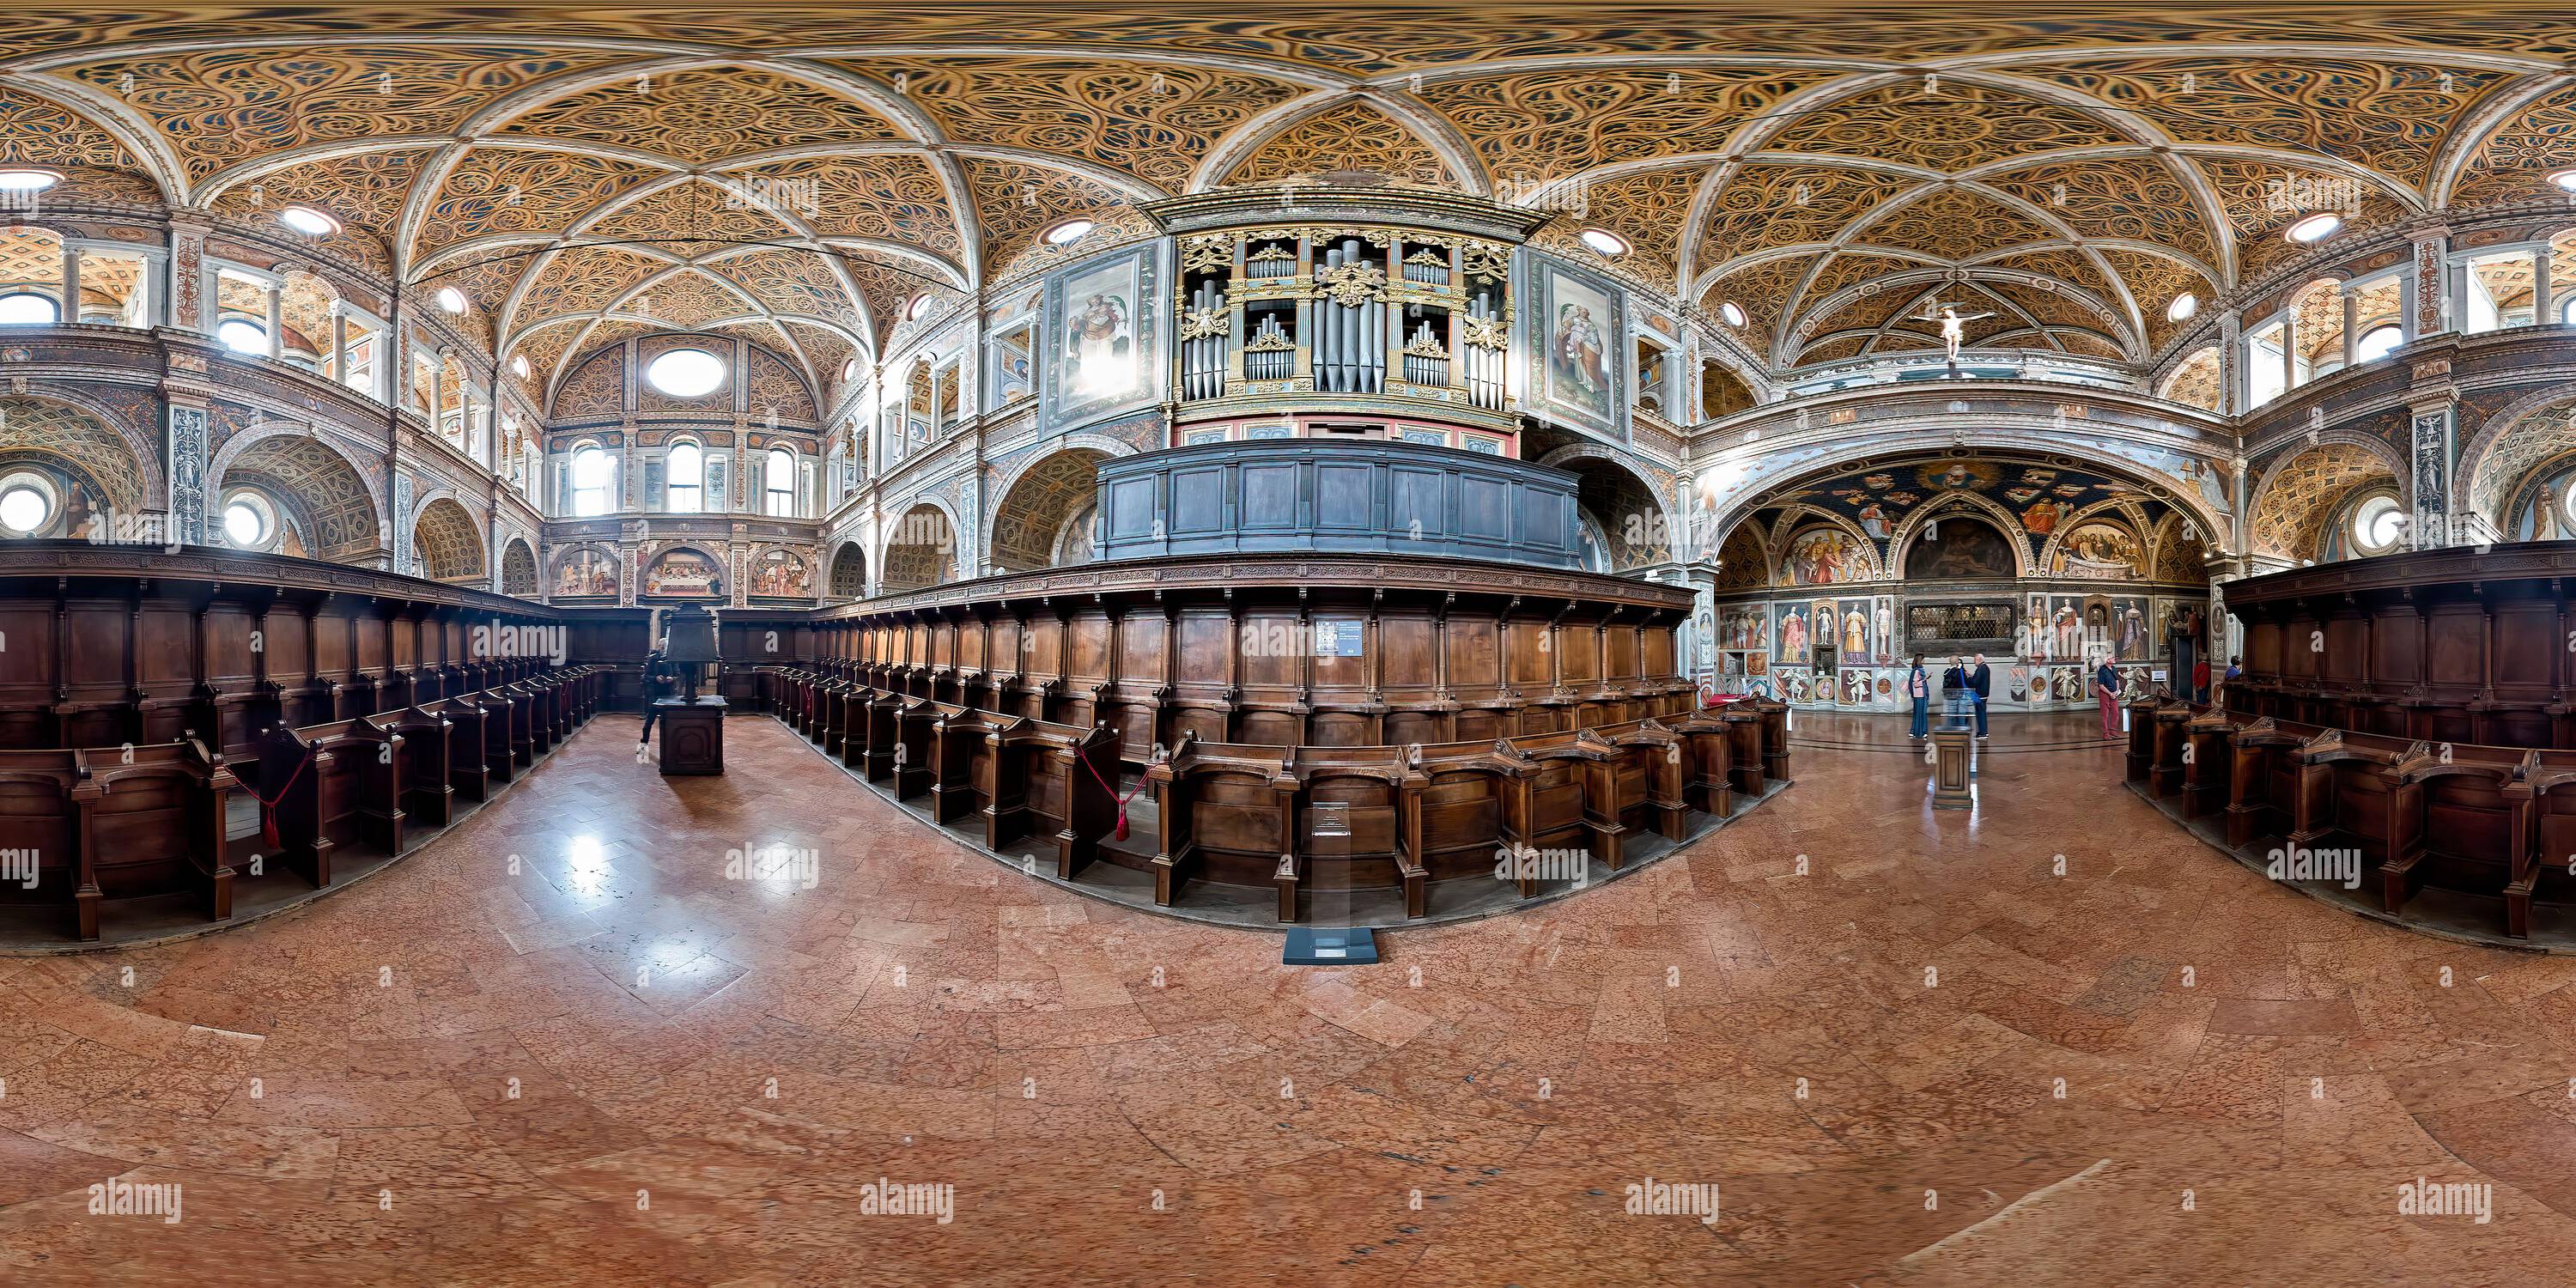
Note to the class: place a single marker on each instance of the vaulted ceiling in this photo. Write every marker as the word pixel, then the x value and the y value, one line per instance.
pixel 803 174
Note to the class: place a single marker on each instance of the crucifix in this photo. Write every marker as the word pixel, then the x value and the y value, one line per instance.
pixel 1954 326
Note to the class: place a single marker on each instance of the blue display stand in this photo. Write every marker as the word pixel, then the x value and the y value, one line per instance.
pixel 1335 947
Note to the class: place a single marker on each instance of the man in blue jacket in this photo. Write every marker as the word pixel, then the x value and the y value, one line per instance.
pixel 1981 682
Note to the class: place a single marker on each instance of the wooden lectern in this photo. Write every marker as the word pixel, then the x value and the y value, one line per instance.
pixel 692 726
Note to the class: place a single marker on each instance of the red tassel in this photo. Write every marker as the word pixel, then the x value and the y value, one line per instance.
pixel 1121 834
pixel 268 826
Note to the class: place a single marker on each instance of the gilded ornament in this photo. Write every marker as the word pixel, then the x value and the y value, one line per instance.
pixel 1351 285
pixel 1199 324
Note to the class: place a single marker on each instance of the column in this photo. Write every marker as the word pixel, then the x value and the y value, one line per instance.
pixel 71 282
pixel 144 308
pixel 2289 351
pixel 277 319
pixel 2544 300
pixel 2351 325
pixel 335 352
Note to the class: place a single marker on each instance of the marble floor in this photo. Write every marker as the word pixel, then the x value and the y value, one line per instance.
pixel 2051 1041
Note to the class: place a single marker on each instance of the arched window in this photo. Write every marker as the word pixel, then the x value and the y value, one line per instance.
pixel 688 469
pixel 2377 342
pixel 779 481
pixel 27 308
pixel 241 335
pixel 590 470
pixel 2567 311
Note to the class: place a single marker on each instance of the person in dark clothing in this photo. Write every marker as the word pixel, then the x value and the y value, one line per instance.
pixel 1981 682
pixel 660 677
pixel 2106 686
pixel 1954 692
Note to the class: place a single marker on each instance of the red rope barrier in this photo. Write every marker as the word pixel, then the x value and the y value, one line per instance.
pixel 1121 833
pixel 268 808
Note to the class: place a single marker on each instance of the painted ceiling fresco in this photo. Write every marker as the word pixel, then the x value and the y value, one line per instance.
pixel 1835 175
pixel 2034 499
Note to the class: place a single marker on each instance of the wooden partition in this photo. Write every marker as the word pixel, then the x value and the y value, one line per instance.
pixel 2494 824
pixel 1375 702
pixel 1278 651
pixel 141 691
pixel 2463 645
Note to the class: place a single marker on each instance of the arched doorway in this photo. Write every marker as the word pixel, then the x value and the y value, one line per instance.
pixel 317 495
pixel 64 472
pixel 444 543
pixel 849 577
pixel 1034 525
pixel 1621 515
pixel 2298 496
pixel 518 569
pixel 2045 563
pixel 921 551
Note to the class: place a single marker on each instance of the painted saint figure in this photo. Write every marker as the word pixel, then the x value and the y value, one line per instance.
pixel 1100 346
pixel 1576 353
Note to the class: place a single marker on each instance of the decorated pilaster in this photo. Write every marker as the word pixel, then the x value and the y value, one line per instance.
pixel 738 558
pixel 2231 366
pixel 187 294
pixel 2426 303
pixel 2431 420
pixel 185 446
pixel 402 523
pixel 630 568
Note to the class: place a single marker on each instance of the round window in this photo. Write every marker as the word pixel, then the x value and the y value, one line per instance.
pixel 686 373
pixel 2377 524
pixel 25 505
pixel 245 525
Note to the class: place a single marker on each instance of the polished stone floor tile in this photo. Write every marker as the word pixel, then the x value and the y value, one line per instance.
pixel 2052 1040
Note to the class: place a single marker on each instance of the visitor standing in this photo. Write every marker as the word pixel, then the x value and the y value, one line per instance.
pixel 1919 687
pixel 659 679
pixel 2106 687
pixel 1981 682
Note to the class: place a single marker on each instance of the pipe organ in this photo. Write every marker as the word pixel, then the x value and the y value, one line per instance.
pixel 1399 313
